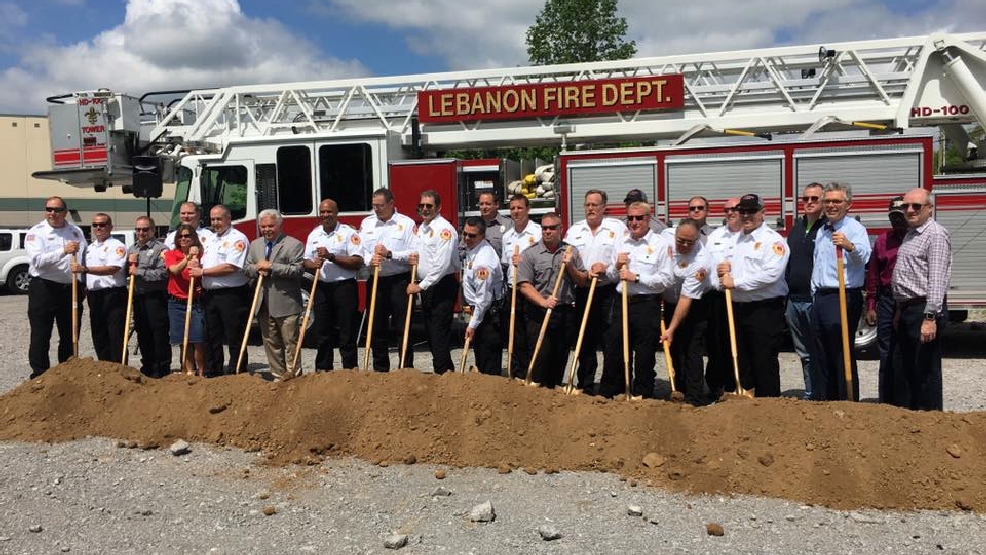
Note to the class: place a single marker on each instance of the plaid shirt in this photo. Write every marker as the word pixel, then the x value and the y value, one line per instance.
pixel 924 266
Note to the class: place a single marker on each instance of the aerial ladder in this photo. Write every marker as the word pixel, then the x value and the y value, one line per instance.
pixel 884 86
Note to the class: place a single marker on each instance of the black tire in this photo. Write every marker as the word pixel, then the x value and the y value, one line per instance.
pixel 18 280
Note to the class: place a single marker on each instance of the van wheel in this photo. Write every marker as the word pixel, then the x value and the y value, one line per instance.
pixel 18 280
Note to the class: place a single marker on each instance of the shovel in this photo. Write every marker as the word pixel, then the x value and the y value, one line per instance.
pixel 130 311
pixel 513 316
pixel 846 362
pixel 253 310
pixel 407 316
pixel 570 387
pixel 544 323
pixel 676 396
pixel 369 325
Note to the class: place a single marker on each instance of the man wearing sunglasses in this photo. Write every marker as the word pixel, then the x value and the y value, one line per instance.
pixel 641 262
pixel 387 237
pixel 919 283
pixel 755 273
pixel 145 260
pixel 50 245
pixel 539 266
pixel 106 288
pixel 435 250
pixel 595 238
pixel 845 235
pixel 482 284
pixel 636 195
pixel 801 243
pixel 719 245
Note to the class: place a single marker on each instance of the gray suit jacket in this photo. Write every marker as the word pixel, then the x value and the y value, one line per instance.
pixel 282 288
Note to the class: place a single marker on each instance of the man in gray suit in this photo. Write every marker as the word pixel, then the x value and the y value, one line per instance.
pixel 277 257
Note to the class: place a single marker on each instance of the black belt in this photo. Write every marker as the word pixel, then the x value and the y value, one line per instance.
pixel 106 290
pixel 634 299
pixel 835 290
pixel 337 282
pixel 912 302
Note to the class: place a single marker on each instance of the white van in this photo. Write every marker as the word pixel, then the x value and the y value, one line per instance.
pixel 13 260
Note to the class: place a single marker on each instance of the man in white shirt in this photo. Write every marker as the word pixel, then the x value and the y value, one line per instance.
pixel 436 250
pixel 756 276
pixel 387 237
pixel 227 293
pixel 719 245
pixel 595 238
pixel 189 213
pixel 106 285
pixel 50 245
pixel 335 251
pixel 523 234
pixel 482 285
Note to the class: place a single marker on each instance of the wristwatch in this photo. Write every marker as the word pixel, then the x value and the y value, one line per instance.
pixel 331 257
pixel 636 278
pixel 930 315
pixel 389 255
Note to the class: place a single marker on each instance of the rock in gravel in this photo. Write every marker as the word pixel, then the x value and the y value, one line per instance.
pixel 483 512
pixel 954 450
pixel 440 492
pixel 863 518
pixel 548 532
pixel 216 409
pixel 714 529
pixel 179 448
pixel 269 510
pixel 634 510
pixel 440 474
pixel 35 528
pixel 395 541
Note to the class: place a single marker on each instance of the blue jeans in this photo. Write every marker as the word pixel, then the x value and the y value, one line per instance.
pixel 798 316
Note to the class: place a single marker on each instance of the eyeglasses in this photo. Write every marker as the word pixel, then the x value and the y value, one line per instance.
pixel 684 243
pixel 142 229
pixel 810 199
pixel 915 206
pixel 426 205
pixel 56 209
pixel 550 227
pixel 729 209
pixel 468 235
pixel 99 224
pixel 637 218
pixel 696 208
pixel 834 201
pixel 184 236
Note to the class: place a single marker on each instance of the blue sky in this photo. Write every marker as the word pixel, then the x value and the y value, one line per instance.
pixel 50 47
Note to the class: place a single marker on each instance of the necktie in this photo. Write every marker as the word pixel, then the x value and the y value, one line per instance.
pixel 270 247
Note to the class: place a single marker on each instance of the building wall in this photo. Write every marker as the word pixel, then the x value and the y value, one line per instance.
pixel 25 148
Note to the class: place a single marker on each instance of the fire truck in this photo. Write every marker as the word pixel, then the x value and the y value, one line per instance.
pixel 719 125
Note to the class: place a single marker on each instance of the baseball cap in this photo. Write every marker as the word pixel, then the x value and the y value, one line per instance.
pixel 750 202
pixel 896 205
pixel 635 195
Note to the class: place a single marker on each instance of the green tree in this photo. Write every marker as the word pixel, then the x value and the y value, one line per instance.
pixel 572 31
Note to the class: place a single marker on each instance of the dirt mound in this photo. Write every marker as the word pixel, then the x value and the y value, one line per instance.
pixel 842 455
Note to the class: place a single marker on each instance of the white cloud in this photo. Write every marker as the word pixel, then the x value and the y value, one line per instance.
pixel 169 45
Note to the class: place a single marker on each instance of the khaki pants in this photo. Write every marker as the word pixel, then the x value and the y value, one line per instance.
pixel 280 337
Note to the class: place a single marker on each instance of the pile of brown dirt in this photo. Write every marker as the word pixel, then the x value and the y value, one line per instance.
pixel 842 455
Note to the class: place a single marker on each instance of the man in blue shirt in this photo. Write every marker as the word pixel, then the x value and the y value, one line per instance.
pixel 848 236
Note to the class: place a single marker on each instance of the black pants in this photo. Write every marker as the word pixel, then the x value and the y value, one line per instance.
pixel 391 303
pixel 891 386
pixel 686 351
pixel 759 334
pixel 827 323
pixel 107 311
pixel 596 328
pixel 487 344
pixel 437 304
pixel 336 323
pixel 49 302
pixel 719 373
pixel 644 313
pixel 918 364
pixel 549 367
pixel 151 322
pixel 521 355
pixel 227 311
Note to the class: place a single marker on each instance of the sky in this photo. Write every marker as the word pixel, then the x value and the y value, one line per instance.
pixel 52 47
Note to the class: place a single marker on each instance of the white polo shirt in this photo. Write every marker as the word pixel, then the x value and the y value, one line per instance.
pixel 397 234
pixel 598 246
pixel 230 247
pixel 341 241
pixel 110 252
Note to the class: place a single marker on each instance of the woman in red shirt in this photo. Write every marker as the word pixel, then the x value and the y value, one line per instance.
pixel 186 239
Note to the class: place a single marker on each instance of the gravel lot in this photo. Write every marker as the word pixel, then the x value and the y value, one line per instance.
pixel 91 496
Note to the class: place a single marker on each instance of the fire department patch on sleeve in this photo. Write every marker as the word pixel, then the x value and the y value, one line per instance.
pixel 120 251
pixel 482 273
pixel 239 246
pixel 446 235
pixel 757 245
pixel 355 239
pixel 612 234
pixel 778 248
pixel 700 275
